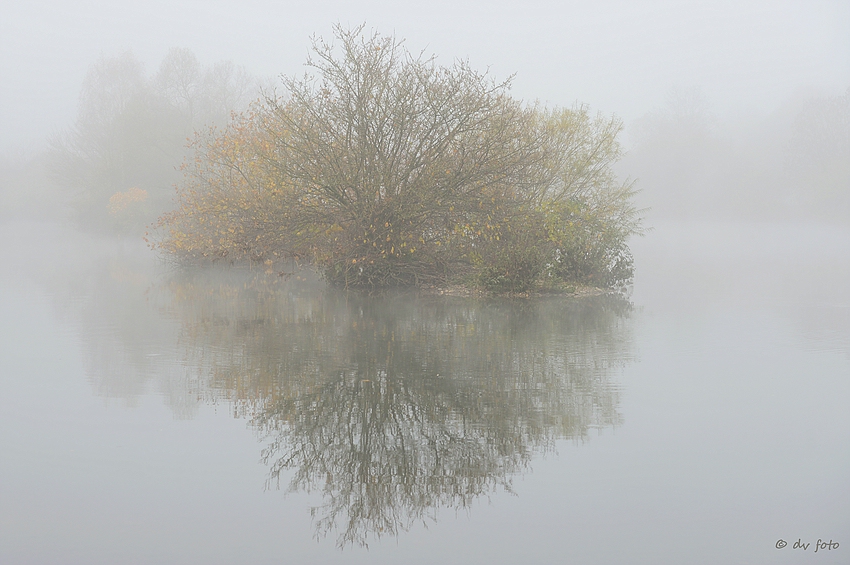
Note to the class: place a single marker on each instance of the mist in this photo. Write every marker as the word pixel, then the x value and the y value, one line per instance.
pixel 789 164
pixel 251 411
pixel 758 77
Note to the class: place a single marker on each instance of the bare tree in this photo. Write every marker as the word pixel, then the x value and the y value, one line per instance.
pixel 385 168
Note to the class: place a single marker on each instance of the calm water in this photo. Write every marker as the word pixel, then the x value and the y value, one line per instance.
pixel 224 416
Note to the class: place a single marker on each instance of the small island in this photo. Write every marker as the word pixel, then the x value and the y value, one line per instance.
pixel 385 169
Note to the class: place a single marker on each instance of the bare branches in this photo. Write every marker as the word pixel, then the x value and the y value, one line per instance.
pixel 386 168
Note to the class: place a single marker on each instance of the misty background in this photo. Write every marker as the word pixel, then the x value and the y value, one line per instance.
pixel 724 389
pixel 732 110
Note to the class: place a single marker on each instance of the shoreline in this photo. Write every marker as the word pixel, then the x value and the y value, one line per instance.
pixel 471 292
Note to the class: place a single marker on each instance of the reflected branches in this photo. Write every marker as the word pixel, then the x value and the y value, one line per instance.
pixel 390 408
pixel 393 407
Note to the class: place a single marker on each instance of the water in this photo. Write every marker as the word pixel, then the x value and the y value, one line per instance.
pixel 218 416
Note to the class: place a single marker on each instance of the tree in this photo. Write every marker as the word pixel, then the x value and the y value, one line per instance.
pixel 121 157
pixel 817 157
pixel 386 168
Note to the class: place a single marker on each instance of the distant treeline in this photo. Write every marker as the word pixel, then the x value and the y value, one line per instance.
pixel 120 161
pixel 789 165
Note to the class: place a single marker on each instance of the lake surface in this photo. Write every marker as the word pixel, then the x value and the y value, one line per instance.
pixel 153 415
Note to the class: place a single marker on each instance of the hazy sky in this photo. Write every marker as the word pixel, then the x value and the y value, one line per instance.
pixel 618 56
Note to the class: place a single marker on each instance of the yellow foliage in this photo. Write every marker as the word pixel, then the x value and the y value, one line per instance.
pixel 121 201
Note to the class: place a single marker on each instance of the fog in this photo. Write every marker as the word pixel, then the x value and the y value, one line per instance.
pixel 754 68
pixel 789 164
pixel 618 56
pixel 706 403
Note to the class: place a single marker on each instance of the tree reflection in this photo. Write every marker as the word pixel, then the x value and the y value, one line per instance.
pixel 396 406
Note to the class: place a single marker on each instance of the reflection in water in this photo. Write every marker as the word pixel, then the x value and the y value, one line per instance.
pixel 396 406
pixel 130 341
pixel 762 335
pixel 391 407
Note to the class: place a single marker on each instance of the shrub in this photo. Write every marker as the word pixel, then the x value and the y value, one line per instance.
pixel 387 169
